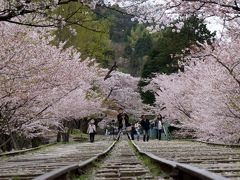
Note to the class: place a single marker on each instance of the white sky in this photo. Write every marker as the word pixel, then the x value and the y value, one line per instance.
pixel 215 24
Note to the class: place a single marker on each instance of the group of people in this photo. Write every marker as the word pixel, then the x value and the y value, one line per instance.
pixel 145 125
pixel 124 125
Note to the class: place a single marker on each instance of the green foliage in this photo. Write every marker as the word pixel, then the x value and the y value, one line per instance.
pixel 121 23
pixel 234 103
pixel 169 43
pixel 79 136
pixel 91 38
pixel 148 97
pixel 136 33
pixel 139 45
pixel 152 165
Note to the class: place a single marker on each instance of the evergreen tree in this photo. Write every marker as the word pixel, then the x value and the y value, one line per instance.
pixel 139 45
pixel 161 59
pixel 169 43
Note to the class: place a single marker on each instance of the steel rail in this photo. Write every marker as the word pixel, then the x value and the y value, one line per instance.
pixel 25 150
pixel 218 144
pixel 180 171
pixel 62 173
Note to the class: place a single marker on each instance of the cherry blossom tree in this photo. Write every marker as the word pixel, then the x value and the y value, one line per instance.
pixel 46 13
pixel 43 86
pixel 36 77
pixel 123 89
pixel 164 13
pixel 205 98
pixel 158 13
pixel 16 8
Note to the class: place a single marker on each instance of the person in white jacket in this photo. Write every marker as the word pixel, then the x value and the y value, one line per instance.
pixel 137 127
pixel 91 130
pixel 159 126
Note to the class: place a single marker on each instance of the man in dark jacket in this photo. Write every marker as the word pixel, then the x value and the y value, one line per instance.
pixel 122 120
pixel 145 126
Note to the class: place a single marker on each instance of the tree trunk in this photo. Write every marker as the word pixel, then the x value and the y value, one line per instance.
pixel 6 143
pixel 15 145
pixel 66 136
pixel 59 135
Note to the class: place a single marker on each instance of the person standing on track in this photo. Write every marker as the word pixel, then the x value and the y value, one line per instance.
pixel 159 126
pixel 137 127
pixel 91 130
pixel 122 119
pixel 145 126
pixel 133 131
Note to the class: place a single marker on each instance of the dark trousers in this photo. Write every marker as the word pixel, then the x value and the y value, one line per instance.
pixel 159 133
pixel 145 134
pixel 92 137
pixel 120 128
pixel 132 135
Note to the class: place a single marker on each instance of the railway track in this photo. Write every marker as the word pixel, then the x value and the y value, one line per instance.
pixel 13 153
pixel 220 160
pixel 123 162
pixel 33 164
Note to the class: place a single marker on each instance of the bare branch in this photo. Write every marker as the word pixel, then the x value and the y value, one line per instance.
pixel 109 94
pixel 108 75
pixel 234 7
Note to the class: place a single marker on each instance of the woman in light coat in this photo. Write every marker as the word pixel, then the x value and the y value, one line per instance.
pixel 91 130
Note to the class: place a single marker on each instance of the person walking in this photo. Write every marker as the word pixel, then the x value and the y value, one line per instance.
pixel 133 131
pixel 122 119
pixel 91 130
pixel 145 126
pixel 137 127
pixel 159 126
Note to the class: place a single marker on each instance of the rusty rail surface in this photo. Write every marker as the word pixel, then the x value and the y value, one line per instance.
pixel 179 171
pixel 62 173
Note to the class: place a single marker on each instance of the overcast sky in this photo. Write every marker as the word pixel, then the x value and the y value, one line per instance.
pixel 214 24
